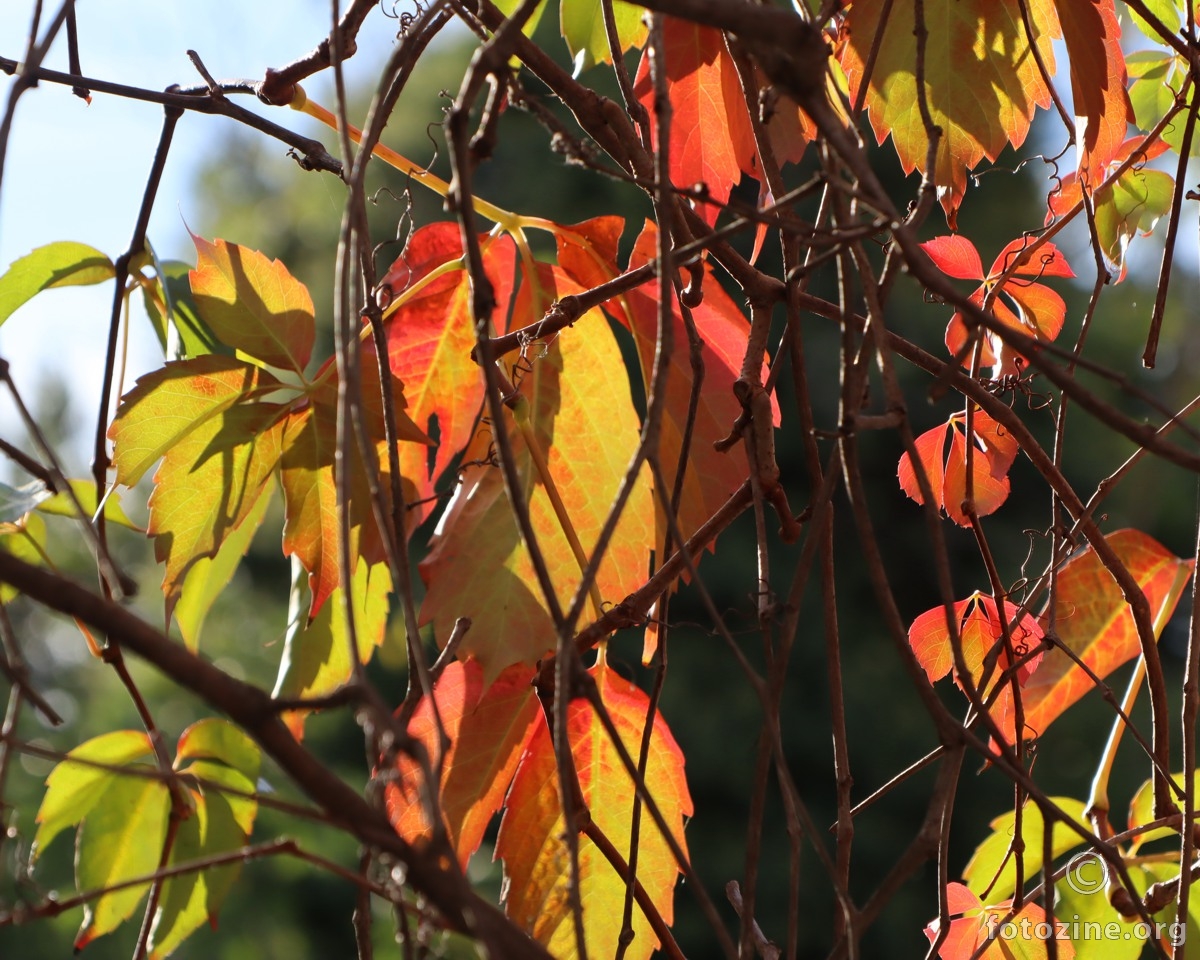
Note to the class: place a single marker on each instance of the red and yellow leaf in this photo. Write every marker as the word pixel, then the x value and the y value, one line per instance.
pixel 972 925
pixel 996 449
pixel 531 843
pixel 583 417
pixel 253 304
pixel 489 729
pixel 982 81
pixel 1094 621
pixel 430 338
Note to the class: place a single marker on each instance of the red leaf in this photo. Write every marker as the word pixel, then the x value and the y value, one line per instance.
pixel 955 256
pixel 972 924
pixel 489 728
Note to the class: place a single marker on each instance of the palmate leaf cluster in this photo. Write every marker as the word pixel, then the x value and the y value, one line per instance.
pixel 580 421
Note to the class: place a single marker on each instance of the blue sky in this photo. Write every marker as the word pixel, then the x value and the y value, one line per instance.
pixel 77 172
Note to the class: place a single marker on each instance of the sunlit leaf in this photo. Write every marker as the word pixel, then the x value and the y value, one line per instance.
pixel 316 654
pixel 972 925
pixel 583 417
pixel 982 82
pixel 991 873
pixel 582 25
pixel 489 728
pixel 1093 620
pixel 1141 810
pixel 73 789
pixel 61 264
pixel 62 505
pixel 25 541
pixel 1082 905
pixel 253 304
pixel 172 302
pixel 531 843
pixel 168 404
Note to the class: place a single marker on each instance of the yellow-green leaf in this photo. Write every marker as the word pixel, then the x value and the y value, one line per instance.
pixel 61 505
pixel 168 404
pixel 582 23
pixel 72 789
pixel 60 264
pixel 253 304
pixel 25 541
pixel 992 872
pixel 173 292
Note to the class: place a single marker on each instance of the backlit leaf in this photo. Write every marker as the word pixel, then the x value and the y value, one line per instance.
pixel 73 789
pixel 430 338
pixel 253 304
pixel 582 414
pixel 1081 899
pixel 168 404
pixel 121 838
pixel 1141 810
pixel 316 654
pixel 982 81
pixel 61 264
pixel 25 541
pixel 971 926
pixel 996 449
pixel 489 728
pixel 992 871
pixel 61 505
pixel 173 295
pixel 582 24
pixel 1094 621
pixel 208 483
pixel 530 840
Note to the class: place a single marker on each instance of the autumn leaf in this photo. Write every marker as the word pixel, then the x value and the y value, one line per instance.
pixel 1094 622
pixel 253 304
pixel 996 449
pixel 982 82
pixel 1102 110
pixel 316 652
pixel 1131 205
pixel 531 843
pixel 984 652
pixel 430 338
pixel 972 925
pixel 991 873
pixel 583 418
pixel 489 728
pixel 1021 302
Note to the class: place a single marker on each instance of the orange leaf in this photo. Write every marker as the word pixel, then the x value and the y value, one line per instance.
pixel 430 339
pixel 1094 621
pixel 253 304
pixel 996 449
pixel 583 417
pixel 531 843
pixel 982 636
pixel 488 729
pixel 1098 81
pixel 972 923
pixel 982 81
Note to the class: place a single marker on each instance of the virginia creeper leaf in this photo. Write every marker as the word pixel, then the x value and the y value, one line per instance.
pixel 489 729
pixel 982 82
pixel 73 789
pixel 253 304
pixel 316 653
pixel 584 421
pixel 1141 810
pixel 61 264
pixel 168 404
pixel 982 635
pixel 971 925
pixel 208 576
pixel 1081 899
pixel 430 338
pixel 1102 110
pixel 26 541
pixel 208 483
pixel 61 505
pixel 582 24
pixel 996 449
pixel 992 871
pixel 120 838
pixel 1094 621
pixel 172 303
pixel 530 840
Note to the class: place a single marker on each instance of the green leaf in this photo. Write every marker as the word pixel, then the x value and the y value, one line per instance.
pixel 121 838
pixel 175 293
pixel 1169 12
pixel 73 789
pixel 582 23
pixel 1131 205
pixel 61 264
pixel 61 505
pixel 316 659
pixel 253 304
pixel 25 541
pixel 208 576
pixel 992 873
pixel 1141 810
pixel 168 404
pixel 1083 906
pixel 217 739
